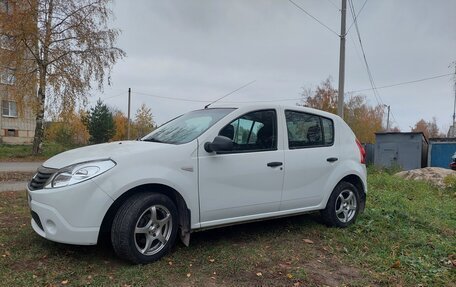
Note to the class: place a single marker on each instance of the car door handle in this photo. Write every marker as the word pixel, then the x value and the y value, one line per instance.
pixel 274 163
pixel 332 159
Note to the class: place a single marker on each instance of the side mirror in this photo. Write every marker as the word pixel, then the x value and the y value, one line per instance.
pixel 219 144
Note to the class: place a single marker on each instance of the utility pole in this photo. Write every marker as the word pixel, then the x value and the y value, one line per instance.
pixel 454 108
pixel 451 131
pixel 128 125
pixel 388 118
pixel 340 100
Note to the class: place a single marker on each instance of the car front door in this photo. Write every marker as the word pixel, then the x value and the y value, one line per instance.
pixel 310 158
pixel 247 181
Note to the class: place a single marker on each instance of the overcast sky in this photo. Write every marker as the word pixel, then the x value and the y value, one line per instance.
pixel 201 50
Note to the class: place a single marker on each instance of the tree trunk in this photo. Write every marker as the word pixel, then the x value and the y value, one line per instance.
pixel 42 73
pixel 39 128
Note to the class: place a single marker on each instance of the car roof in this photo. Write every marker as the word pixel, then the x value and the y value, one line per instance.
pixel 250 106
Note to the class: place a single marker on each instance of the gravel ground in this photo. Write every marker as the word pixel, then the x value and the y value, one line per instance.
pixel 435 175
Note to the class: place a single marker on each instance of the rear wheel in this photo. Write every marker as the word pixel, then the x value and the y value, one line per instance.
pixel 343 206
pixel 144 228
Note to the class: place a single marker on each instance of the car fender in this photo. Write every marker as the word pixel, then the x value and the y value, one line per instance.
pixel 343 169
pixel 183 181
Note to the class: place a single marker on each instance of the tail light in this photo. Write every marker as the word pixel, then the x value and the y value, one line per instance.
pixel 362 151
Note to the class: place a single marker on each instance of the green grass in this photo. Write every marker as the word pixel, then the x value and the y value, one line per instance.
pixel 408 224
pixel 24 152
pixel 406 237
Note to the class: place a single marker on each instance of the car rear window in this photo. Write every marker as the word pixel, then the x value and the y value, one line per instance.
pixel 308 130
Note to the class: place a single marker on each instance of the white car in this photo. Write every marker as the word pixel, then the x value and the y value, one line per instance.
pixel 207 168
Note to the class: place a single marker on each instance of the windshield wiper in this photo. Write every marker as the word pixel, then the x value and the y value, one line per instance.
pixel 153 140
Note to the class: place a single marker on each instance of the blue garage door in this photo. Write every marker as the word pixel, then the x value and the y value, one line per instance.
pixel 441 154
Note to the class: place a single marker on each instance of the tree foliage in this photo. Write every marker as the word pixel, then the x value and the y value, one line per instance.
pixel 144 121
pixel 429 129
pixel 324 97
pixel 120 122
pixel 100 123
pixel 68 129
pixel 364 120
pixel 61 46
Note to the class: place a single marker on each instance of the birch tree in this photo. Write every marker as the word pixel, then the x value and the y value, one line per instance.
pixel 62 49
pixel 144 121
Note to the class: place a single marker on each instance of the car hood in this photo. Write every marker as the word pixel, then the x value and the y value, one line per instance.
pixel 114 150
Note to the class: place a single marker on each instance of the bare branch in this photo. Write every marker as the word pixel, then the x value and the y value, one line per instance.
pixel 72 14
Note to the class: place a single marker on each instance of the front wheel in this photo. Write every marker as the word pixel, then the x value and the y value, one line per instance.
pixel 144 228
pixel 343 206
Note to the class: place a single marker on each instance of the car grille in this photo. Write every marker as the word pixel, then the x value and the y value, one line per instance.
pixel 39 179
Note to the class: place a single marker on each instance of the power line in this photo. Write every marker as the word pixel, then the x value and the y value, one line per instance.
pixel 356 49
pixel 334 4
pixel 356 16
pixel 286 99
pixel 116 95
pixel 170 98
pixel 369 73
pixel 404 83
pixel 313 17
pixel 205 101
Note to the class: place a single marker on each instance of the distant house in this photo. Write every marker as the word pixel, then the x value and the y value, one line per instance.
pixel 405 150
pixel 17 122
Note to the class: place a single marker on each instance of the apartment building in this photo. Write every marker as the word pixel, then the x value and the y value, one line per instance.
pixel 17 121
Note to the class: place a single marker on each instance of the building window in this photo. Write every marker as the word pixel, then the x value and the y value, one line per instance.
pixel 9 109
pixel 7 77
pixel 11 133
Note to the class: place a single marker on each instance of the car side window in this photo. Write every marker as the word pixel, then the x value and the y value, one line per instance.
pixel 255 131
pixel 328 130
pixel 307 130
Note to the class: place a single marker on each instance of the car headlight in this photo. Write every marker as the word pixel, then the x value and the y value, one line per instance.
pixel 79 172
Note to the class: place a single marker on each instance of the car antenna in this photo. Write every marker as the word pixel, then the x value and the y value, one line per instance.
pixel 230 93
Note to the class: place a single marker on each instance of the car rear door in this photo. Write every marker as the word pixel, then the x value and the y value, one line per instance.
pixel 310 157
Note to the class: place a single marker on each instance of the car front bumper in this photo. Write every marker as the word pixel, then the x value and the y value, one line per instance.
pixel 71 214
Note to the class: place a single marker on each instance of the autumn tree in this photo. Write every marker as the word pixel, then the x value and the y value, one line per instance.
pixel 144 121
pixel 429 129
pixel 100 123
pixel 68 129
pixel 395 130
pixel 324 97
pixel 120 122
pixel 63 47
pixel 364 120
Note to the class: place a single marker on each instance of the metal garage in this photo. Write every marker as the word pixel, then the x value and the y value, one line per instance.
pixel 440 151
pixel 406 150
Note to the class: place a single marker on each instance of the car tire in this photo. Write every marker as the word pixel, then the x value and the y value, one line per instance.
pixel 343 206
pixel 144 228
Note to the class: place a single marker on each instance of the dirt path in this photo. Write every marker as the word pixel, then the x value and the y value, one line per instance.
pixel 13 186
pixel 19 166
pixel 15 180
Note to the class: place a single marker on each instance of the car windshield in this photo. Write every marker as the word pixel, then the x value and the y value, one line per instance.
pixel 187 127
